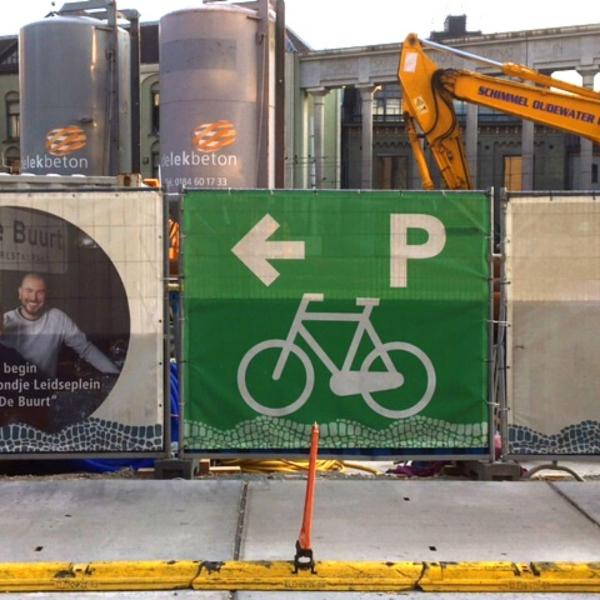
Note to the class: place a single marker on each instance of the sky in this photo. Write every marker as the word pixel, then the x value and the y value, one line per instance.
pixel 343 23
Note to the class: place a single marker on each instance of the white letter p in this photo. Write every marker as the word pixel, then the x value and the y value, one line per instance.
pixel 401 251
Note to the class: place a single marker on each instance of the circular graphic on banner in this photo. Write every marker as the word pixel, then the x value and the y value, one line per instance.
pixel 65 140
pixel 65 327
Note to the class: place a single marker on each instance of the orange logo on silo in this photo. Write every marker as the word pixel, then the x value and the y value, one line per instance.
pixel 211 137
pixel 65 140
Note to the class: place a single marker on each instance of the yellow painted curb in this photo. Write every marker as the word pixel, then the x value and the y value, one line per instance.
pixel 511 577
pixel 97 576
pixel 330 575
pixel 279 575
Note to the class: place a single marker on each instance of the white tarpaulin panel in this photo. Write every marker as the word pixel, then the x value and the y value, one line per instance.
pixel 82 337
pixel 553 270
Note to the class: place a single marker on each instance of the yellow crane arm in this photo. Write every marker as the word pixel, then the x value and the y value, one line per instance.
pixel 429 93
pixel 430 107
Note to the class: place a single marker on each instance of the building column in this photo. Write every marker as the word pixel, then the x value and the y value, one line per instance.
pixel 414 175
pixel 318 97
pixel 527 136
pixel 471 136
pixel 586 154
pixel 366 96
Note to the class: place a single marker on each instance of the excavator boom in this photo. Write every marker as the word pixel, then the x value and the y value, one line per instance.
pixel 429 93
pixel 430 107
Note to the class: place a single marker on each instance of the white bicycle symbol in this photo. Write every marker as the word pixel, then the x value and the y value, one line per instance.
pixel 344 381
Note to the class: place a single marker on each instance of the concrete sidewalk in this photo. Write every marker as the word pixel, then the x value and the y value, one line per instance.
pixel 259 519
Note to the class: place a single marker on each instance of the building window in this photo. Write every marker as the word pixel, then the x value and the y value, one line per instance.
pixel 13 121
pixel 10 55
pixel 155 108
pixel 386 103
pixel 513 170
pixel 595 173
pixel 12 159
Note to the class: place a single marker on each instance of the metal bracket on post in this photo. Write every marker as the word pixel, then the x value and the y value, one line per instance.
pixel 304 558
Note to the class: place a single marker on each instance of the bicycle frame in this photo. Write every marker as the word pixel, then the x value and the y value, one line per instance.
pixel 364 325
pixel 344 381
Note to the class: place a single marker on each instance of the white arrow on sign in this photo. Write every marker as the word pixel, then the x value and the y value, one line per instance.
pixel 255 251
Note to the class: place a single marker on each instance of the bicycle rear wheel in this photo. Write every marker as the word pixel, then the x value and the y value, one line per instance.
pixel 424 399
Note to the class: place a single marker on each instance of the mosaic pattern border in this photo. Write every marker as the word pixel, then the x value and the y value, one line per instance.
pixel 92 435
pixel 580 438
pixel 276 433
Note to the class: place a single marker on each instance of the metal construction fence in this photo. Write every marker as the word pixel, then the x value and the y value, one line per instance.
pixel 82 340
pixel 368 313
pixel 552 250
pixel 371 313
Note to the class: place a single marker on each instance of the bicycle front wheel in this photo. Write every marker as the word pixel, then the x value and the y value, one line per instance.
pixel 262 348
pixel 422 363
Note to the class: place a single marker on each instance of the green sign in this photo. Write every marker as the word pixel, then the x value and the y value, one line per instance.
pixel 367 313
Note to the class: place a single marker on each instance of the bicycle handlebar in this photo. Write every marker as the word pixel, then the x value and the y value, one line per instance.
pixel 313 297
pixel 318 297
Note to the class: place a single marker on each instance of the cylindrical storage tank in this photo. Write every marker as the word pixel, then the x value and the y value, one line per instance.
pixel 66 88
pixel 209 98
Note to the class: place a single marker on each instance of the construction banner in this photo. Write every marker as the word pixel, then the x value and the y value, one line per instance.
pixel 365 312
pixel 81 333
pixel 553 266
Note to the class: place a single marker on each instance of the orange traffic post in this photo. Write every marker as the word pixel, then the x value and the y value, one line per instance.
pixel 304 555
